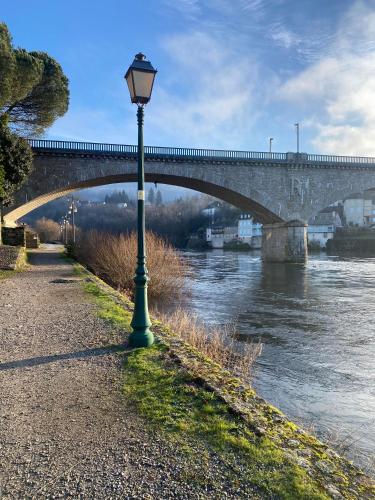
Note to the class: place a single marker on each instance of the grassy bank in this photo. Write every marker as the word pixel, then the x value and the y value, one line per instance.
pixel 6 274
pixel 207 412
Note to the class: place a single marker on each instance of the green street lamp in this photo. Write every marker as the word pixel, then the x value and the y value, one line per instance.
pixel 140 79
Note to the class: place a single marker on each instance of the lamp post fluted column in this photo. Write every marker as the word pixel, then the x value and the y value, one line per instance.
pixel 140 80
pixel 141 335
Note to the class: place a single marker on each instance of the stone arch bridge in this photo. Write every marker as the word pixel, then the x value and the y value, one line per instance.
pixel 283 190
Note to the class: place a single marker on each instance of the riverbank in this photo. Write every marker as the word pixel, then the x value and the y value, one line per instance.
pixel 315 323
pixel 358 241
pixel 194 399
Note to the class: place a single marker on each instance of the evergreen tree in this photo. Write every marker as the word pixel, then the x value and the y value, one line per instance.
pixel 159 199
pixel 16 161
pixel 2 180
pixel 33 93
pixel 117 197
pixel 33 88
pixel 124 197
pixel 151 196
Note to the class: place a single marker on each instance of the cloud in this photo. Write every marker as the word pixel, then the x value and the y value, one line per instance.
pixel 211 99
pixel 283 37
pixel 189 8
pixel 338 91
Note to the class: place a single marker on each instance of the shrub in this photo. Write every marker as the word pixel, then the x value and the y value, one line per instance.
pixel 47 229
pixel 113 258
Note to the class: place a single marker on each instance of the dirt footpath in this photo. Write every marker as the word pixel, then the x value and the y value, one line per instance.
pixel 65 428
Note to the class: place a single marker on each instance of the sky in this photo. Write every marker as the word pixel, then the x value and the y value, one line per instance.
pixel 231 73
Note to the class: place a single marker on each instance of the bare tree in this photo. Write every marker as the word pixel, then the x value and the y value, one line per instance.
pixel 47 229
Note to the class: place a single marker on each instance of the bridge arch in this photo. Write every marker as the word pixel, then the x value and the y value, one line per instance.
pixel 246 204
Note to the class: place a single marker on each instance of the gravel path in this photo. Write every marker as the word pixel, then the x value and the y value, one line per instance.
pixel 65 428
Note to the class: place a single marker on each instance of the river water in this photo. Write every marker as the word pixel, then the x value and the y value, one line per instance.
pixel 317 326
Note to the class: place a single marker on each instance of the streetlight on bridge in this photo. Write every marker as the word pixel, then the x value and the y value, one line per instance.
pixel 271 140
pixel 297 133
pixel 140 79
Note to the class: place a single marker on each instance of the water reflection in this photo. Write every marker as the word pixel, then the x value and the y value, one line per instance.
pixel 317 325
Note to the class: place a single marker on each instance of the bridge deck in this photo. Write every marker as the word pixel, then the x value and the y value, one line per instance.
pixel 49 146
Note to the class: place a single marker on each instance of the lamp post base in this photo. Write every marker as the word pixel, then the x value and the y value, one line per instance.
pixel 141 338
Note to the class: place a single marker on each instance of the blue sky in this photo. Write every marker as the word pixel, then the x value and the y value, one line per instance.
pixel 231 73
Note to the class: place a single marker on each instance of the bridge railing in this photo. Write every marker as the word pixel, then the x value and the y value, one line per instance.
pixel 82 146
pixel 153 150
pixel 341 159
pixel 171 152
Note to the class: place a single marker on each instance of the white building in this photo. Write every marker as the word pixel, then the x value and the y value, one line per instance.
pixel 359 210
pixel 322 227
pixel 217 236
pixel 250 231
pixel 211 209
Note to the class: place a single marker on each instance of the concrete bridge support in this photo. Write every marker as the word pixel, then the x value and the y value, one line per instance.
pixel 285 242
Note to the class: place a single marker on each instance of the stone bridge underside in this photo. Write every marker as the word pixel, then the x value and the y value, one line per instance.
pixel 274 190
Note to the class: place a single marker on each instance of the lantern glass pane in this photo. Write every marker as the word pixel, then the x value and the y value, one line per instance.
pixel 129 81
pixel 143 83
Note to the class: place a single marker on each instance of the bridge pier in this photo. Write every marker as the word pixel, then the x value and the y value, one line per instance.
pixel 285 242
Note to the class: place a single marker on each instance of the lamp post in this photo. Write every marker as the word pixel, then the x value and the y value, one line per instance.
pixel 140 79
pixel 66 222
pixel 73 210
pixel 271 140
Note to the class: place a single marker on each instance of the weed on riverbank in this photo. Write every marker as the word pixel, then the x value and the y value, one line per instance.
pixel 217 343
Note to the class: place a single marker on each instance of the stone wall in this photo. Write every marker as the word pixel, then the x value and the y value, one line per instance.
pixel 32 240
pixel 11 257
pixel 14 236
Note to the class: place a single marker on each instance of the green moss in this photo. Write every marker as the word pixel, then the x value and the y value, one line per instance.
pixel 169 399
pixel 108 309
pixel 6 274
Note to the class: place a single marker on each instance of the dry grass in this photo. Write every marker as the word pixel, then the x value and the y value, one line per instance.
pixel 113 258
pixel 216 343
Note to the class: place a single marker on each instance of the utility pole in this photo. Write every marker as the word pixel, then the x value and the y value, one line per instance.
pixel 297 132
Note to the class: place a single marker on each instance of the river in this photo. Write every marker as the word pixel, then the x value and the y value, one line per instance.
pixel 317 326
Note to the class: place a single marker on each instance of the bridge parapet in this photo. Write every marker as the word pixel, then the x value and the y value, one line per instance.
pixel 168 153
